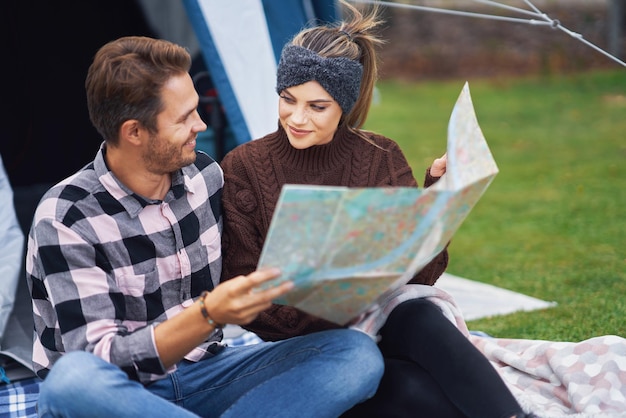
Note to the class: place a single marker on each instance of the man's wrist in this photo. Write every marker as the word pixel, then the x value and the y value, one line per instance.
pixel 205 312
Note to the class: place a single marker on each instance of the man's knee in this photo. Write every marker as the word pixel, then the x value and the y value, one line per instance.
pixel 75 373
pixel 362 362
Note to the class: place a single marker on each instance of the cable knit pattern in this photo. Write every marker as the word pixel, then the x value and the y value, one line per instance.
pixel 254 175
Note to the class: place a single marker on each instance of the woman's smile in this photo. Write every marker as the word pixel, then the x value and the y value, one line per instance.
pixel 298 133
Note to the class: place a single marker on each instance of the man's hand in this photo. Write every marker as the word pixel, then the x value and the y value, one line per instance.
pixel 239 300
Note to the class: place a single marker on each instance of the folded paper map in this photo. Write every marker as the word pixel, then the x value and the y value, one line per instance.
pixel 344 247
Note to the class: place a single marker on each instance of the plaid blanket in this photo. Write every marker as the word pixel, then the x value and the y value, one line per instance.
pixel 18 399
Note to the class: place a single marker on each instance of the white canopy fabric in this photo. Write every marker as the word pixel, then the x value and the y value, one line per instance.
pixel 241 44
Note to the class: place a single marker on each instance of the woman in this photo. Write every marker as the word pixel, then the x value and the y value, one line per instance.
pixel 325 81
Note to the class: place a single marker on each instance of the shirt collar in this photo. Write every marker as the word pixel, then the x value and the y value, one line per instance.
pixel 131 201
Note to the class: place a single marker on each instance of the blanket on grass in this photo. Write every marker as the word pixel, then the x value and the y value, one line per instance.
pixel 19 399
pixel 552 379
pixel 585 379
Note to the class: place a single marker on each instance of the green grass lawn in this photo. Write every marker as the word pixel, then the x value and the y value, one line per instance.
pixel 553 222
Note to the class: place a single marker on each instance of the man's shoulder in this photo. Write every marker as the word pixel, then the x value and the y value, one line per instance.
pixel 204 165
pixel 204 172
pixel 68 193
pixel 203 160
pixel 76 186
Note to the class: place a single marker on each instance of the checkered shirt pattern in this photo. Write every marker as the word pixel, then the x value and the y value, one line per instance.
pixel 105 265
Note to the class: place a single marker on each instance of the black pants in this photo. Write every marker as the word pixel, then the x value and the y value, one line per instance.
pixel 432 370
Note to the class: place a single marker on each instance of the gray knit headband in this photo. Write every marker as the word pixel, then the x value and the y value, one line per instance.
pixel 340 77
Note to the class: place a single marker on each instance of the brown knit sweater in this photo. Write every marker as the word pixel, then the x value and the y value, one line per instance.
pixel 254 174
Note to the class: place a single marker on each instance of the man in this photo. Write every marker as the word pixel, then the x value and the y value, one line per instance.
pixel 123 264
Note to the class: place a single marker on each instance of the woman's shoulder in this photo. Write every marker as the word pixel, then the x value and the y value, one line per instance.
pixel 248 161
pixel 380 141
pixel 250 149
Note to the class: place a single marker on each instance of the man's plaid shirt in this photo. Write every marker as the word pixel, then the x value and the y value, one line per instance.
pixel 105 265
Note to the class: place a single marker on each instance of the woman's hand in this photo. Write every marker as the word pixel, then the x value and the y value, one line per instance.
pixel 438 168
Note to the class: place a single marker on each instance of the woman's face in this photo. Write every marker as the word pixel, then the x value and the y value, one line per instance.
pixel 308 114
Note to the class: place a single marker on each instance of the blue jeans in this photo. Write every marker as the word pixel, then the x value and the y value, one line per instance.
pixel 317 375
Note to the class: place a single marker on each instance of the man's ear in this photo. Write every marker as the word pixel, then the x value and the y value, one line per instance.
pixel 132 132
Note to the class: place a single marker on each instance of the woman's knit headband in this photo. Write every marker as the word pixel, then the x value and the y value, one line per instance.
pixel 340 77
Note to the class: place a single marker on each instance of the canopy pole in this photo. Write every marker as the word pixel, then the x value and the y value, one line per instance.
pixel 542 18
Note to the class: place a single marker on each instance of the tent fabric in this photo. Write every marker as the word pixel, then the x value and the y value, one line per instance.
pixel 12 241
pixel 16 322
pixel 241 43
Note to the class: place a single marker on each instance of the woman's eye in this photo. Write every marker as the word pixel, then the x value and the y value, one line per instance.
pixel 287 99
pixel 318 108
